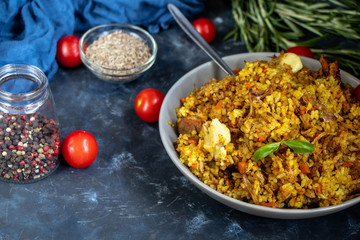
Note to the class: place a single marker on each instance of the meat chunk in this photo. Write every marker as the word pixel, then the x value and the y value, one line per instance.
pixel 324 65
pixel 355 171
pixel 331 69
pixel 325 113
pixel 313 172
pixel 187 125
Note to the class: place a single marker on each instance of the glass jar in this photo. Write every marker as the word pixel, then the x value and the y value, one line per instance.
pixel 29 129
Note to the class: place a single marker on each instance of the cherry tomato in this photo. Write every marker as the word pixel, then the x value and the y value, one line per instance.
pixel 79 149
pixel 206 28
pixel 356 92
pixel 148 103
pixel 68 52
pixel 301 51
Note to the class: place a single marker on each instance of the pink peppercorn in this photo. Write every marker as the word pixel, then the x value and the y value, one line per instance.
pixel 56 152
pixel 20 148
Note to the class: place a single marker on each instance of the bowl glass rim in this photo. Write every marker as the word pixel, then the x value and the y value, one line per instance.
pixel 117 27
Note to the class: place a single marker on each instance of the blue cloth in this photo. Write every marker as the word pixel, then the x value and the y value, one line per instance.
pixel 30 29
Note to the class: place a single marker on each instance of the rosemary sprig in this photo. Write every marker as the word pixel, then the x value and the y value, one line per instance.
pixel 267 25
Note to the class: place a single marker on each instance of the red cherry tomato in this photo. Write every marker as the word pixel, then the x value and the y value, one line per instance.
pixel 68 52
pixel 148 103
pixel 301 51
pixel 356 92
pixel 79 149
pixel 206 28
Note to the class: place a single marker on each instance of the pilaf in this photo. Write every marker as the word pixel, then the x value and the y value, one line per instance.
pixel 224 122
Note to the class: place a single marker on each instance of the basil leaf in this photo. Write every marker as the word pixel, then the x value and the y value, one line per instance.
pixel 300 147
pixel 266 150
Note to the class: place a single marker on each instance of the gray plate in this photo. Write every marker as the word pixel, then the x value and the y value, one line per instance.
pixel 198 77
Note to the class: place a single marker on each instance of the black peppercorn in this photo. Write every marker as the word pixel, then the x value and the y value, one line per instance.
pixel 21 158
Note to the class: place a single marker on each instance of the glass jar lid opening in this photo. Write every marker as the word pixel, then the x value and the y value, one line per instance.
pixel 21 81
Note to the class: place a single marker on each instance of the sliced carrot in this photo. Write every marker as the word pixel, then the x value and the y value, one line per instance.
pixel 218 105
pixel 236 71
pixel 242 166
pixel 248 85
pixel 283 92
pixel 194 165
pixel 262 139
pixel 318 189
pixel 302 110
pixel 304 167
pixel 270 204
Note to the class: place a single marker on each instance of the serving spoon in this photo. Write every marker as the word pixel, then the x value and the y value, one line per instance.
pixel 188 28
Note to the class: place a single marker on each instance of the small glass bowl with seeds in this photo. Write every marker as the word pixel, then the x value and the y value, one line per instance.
pixel 116 52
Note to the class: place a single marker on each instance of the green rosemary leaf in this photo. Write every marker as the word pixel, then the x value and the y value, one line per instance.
pixel 349 4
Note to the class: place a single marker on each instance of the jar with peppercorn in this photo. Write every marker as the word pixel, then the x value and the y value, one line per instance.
pixel 29 129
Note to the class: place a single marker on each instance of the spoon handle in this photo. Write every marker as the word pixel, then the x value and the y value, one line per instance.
pixel 188 28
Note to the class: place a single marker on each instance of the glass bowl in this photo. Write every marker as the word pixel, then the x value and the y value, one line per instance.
pixel 123 74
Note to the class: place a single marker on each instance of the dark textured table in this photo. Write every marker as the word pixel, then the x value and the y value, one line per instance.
pixel 133 190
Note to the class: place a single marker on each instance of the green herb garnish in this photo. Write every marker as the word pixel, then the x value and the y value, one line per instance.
pixel 298 146
pixel 266 150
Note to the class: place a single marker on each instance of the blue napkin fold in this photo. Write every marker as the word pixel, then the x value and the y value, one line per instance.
pixel 30 29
